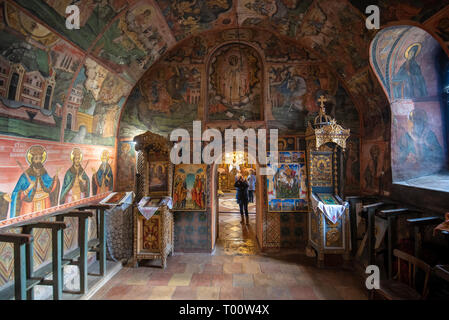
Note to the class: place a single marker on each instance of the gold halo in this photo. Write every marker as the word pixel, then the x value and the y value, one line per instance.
pixel 105 154
pixel 407 52
pixel 29 156
pixel 126 147
pixel 72 154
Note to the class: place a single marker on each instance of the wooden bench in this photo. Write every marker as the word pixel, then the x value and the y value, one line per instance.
pixel 26 279
pixel 19 289
pixel 391 216
pixel 418 225
pixel 370 211
pixel 55 268
pixel 98 245
pixel 78 256
pixel 34 278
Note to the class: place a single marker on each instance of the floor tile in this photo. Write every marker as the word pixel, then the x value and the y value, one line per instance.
pixel 302 293
pixel 255 293
pixel 278 293
pixel 162 293
pixel 232 268
pixel 251 268
pixel 237 270
pixel 213 268
pixel 242 281
pixel 231 293
pixel 184 293
pixel 208 293
pixel 180 280
pixel 160 279
pixel 201 280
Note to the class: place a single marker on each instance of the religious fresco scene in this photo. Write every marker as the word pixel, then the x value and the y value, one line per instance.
pixel 411 70
pixel 105 191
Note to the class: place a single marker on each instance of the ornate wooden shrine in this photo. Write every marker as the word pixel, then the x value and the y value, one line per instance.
pixel 153 230
pixel 329 231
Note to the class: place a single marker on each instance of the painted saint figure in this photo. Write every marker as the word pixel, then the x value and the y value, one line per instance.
pixel 420 146
pixel 103 180
pixel 76 184
pixel 180 194
pixel 36 190
pixel 372 170
pixel 198 192
pixel 409 82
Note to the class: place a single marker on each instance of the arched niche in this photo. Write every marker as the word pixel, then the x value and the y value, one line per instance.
pixel 235 84
pixel 410 65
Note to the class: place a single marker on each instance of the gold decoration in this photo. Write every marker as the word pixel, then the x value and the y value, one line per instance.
pixel 153 143
pixel 325 129
pixel 407 52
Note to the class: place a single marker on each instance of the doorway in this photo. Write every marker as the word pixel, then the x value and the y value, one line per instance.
pixel 231 234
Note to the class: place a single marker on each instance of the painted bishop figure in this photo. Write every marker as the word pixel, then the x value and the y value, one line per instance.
pixel 103 179
pixel 76 184
pixel 36 190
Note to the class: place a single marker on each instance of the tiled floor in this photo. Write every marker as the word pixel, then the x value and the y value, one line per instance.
pixel 228 203
pixel 236 271
pixel 231 228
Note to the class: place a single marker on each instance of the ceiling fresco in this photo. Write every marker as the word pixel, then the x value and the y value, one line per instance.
pixel 92 71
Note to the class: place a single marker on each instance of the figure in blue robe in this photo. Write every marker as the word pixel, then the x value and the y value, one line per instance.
pixel 82 186
pixel 103 179
pixel 409 81
pixel 36 190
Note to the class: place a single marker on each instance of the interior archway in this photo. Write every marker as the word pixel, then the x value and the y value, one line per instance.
pixel 410 64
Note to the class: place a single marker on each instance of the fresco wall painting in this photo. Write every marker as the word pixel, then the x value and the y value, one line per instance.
pixel 36 72
pixel 166 99
pixel 405 58
pixel 96 15
pixel 235 84
pixel 93 113
pixel 126 169
pixel 185 18
pixel 42 177
pixel 375 167
pixel 284 16
pixel 135 41
pixel 287 188
pixel 189 188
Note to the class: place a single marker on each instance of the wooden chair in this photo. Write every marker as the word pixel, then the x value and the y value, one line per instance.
pixel 397 290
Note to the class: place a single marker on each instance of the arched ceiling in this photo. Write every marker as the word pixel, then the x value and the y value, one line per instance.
pixel 120 39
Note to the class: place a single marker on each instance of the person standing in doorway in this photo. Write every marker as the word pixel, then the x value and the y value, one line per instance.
pixel 242 197
pixel 251 186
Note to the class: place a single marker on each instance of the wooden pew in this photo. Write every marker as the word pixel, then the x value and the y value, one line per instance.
pixel 21 282
pixel 391 216
pixel 418 225
pixel 78 256
pixel 55 267
pixel 99 245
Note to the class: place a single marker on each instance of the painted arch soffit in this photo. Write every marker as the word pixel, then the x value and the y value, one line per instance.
pixel 128 48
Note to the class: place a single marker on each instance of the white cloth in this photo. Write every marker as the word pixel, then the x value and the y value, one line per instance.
pixel 331 211
pixel 148 212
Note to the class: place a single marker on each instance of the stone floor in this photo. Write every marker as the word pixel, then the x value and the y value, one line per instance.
pixel 237 270
pixel 229 204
